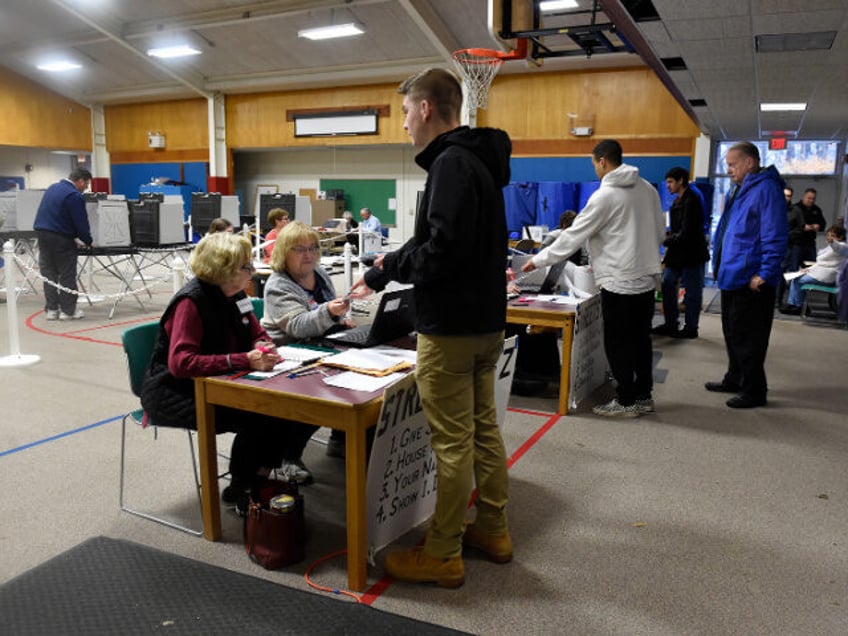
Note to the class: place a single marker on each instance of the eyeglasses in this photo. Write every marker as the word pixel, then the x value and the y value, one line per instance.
pixel 300 250
pixel 249 268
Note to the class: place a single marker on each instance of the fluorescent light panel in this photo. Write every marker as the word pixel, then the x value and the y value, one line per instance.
pixel 556 5
pixel 166 52
pixel 329 32
pixel 783 106
pixel 58 66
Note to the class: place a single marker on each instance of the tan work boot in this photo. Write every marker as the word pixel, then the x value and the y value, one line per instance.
pixel 498 547
pixel 417 567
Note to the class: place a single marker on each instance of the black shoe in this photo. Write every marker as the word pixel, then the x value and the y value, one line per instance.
pixel 743 401
pixel 664 330
pixel 232 493
pixel 686 333
pixel 721 387
pixel 790 310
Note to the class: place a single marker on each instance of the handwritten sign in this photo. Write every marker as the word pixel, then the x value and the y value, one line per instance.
pixel 401 487
pixel 588 361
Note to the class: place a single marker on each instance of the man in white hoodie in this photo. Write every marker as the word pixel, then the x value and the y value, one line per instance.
pixel 623 225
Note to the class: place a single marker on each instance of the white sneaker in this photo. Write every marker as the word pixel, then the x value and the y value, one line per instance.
pixel 295 470
pixel 52 314
pixel 614 409
pixel 76 316
pixel 645 406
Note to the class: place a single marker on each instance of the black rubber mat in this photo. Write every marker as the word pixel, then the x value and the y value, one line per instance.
pixel 111 586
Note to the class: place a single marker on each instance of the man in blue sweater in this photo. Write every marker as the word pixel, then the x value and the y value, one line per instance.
pixel 62 218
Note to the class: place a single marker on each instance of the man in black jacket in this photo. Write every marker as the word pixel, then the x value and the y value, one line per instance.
pixel 805 245
pixel 456 260
pixel 686 252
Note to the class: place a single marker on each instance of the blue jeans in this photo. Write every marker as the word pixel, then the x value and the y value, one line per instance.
pixel 796 294
pixel 692 279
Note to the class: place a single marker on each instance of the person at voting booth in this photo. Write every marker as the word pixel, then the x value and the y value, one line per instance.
pixel 460 317
pixel 61 220
pixel 208 329
pixel 301 303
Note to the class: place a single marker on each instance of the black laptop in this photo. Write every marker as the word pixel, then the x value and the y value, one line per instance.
pixel 394 319
pixel 538 281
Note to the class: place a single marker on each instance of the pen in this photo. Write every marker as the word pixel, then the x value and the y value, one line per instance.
pixel 240 374
pixel 308 368
pixel 264 349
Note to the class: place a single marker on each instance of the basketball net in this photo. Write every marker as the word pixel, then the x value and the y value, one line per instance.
pixel 478 68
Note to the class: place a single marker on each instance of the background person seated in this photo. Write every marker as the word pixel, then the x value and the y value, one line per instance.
pixel 301 303
pixel 278 218
pixel 823 272
pixel 220 225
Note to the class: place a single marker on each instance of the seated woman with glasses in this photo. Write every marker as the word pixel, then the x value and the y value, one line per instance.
pixel 208 329
pixel 300 303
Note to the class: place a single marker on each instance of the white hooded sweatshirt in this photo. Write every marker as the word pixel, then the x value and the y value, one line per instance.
pixel 624 227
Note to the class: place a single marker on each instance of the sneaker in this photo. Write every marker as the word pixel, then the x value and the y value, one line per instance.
pixel 294 470
pixel 417 567
pixel 645 406
pixel 75 316
pixel 686 334
pixel 664 330
pixel 498 547
pixel 52 314
pixel 614 409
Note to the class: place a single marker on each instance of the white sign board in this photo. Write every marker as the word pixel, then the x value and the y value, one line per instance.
pixel 401 487
pixel 588 360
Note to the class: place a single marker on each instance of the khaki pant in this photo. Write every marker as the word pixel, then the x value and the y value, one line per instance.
pixel 456 382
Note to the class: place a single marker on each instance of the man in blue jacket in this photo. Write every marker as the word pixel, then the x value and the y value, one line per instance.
pixel 749 245
pixel 62 218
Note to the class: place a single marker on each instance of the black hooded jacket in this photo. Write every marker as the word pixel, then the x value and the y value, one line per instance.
pixel 457 256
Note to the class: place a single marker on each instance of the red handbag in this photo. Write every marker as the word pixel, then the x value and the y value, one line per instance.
pixel 274 529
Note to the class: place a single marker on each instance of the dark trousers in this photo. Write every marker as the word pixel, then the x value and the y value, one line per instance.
pixel 57 260
pixel 627 340
pixel 692 279
pixel 792 262
pixel 261 441
pixel 746 318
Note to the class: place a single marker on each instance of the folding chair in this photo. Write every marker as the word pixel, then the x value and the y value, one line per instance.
pixel 138 344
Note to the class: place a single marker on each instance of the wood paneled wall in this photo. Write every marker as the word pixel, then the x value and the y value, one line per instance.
pixel 36 117
pixel 259 121
pixel 183 122
pixel 623 104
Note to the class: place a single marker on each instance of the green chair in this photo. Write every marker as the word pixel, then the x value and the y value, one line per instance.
pixel 258 306
pixel 138 344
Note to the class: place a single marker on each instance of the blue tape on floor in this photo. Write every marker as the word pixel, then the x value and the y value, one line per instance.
pixel 60 435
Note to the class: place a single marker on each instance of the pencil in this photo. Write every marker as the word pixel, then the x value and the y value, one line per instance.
pixel 300 371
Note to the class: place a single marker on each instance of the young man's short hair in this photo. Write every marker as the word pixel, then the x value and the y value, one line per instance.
pixel 610 150
pixel 677 173
pixel 437 85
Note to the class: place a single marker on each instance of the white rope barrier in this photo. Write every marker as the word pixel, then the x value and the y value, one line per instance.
pixel 15 357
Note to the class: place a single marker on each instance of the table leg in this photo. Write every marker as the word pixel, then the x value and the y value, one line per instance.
pixel 357 529
pixel 565 372
pixel 208 455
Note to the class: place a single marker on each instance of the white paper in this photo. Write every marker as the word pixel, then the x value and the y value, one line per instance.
pixel 280 367
pixel 361 382
pixel 299 354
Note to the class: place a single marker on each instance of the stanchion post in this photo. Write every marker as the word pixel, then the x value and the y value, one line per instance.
pixel 15 359
pixel 178 267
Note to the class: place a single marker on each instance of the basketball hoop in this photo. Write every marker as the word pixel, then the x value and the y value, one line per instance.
pixel 478 68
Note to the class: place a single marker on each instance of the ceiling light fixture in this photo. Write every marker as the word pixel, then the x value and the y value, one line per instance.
pixel 166 52
pixel 334 31
pixel 58 66
pixel 783 106
pixel 556 5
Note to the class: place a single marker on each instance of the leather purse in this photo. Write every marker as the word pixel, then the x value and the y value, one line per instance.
pixel 274 528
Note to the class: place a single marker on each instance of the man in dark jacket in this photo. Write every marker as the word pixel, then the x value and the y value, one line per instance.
pixel 749 244
pixel 804 247
pixel 686 252
pixel 62 218
pixel 456 259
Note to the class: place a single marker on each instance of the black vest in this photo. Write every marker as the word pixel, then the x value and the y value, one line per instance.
pixel 169 401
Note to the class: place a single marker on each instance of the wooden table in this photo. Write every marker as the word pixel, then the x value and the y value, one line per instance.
pixel 306 399
pixel 547 314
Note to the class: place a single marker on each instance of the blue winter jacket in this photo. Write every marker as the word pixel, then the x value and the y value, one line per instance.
pixel 756 232
pixel 62 210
